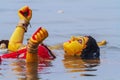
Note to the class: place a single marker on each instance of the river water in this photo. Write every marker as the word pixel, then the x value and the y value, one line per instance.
pixel 62 19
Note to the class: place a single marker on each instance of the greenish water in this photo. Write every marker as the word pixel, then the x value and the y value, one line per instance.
pixel 62 19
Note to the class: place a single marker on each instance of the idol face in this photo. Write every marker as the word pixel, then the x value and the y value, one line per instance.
pixel 75 45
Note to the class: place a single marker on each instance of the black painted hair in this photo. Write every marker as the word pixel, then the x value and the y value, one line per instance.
pixel 92 51
pixel 5 41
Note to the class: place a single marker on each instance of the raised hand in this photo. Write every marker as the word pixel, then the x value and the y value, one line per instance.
pixel 25 13
pixel 39 35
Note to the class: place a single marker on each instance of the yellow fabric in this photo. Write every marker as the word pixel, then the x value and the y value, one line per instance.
pixel 16 39
pixel 75 46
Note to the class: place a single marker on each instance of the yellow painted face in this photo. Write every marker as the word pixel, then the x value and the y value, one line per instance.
pixel 75 45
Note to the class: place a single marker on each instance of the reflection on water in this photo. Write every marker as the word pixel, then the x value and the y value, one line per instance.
pixel 75 64
pixel 41 71
pixel 18 67
pixel 25 71
pixel 32 71
pixel 29 70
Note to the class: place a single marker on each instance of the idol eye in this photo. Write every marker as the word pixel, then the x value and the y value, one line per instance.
pixel 80 41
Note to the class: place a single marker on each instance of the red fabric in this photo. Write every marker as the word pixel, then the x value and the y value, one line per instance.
pixel 43 52
pixel 0 59
pixel 14 54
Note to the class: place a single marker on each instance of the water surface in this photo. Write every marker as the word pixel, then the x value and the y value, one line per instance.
pixel 98 18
